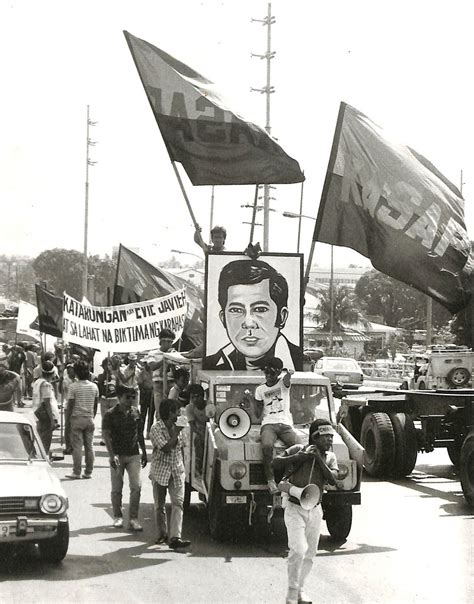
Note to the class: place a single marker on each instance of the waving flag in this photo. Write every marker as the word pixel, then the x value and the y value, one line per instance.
pixel 139 280
pixel 50 312
pixel 215 145
pixel 393 206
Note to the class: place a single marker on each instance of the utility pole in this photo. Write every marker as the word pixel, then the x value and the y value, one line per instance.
pixel 268 21
pixel 89 162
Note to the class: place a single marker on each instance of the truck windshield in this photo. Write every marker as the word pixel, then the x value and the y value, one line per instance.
pixel 17 442
pixel 307 401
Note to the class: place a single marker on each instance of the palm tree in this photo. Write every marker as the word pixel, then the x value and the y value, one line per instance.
pixel 345 308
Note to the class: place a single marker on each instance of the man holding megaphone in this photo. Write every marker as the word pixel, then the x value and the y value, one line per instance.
pixel 306 469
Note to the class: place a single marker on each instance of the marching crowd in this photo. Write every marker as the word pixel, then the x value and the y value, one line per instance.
pixel 134 401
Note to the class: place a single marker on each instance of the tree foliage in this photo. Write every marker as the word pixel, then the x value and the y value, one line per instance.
pixel 61 269
pixel 398 304
pixel 346 309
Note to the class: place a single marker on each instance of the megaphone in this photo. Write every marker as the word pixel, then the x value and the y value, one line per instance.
pixel 234 422
pixel 308 496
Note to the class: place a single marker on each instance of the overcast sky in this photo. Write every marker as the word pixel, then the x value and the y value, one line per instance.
pixel 406 64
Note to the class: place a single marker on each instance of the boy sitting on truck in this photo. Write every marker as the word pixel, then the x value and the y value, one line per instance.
pixel 272 406
pixel 197 418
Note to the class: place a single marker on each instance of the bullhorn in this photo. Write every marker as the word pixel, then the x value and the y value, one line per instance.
pixel 308 496
pixel 234 422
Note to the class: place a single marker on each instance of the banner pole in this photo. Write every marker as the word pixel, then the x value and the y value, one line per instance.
pixel 319 218
pixel 186 199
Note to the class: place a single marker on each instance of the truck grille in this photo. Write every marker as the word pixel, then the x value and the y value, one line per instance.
pixel 256 474
pixel 15 505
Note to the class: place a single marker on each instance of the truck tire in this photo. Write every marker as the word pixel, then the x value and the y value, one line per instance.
pixel 55 549
pixel 466 468
pixel 378 439
pixel 226 523
pixel 406 445
pixel 421 385
pixel 458 376
pixel 339 521
pixel 454 452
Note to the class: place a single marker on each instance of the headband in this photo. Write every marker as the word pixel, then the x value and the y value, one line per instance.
pixel 325 429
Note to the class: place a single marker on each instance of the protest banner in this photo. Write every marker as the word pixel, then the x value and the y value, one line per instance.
pixel 126 328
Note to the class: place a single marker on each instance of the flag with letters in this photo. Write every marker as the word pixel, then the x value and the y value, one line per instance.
pixel 214 144
pixel 390 204
pixel 138 280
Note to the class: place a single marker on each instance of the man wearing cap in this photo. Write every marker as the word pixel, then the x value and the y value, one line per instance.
pixel 302 465
pixel 271 405
pixel 10 385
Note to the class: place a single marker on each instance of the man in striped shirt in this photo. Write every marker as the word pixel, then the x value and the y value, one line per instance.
pixel 83 396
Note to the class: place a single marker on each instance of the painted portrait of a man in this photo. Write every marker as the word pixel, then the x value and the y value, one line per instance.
pixel 249 307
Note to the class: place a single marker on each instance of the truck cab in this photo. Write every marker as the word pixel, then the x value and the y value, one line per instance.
pixel 232 482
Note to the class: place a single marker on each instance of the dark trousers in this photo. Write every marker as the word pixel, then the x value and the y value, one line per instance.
pixel 147 408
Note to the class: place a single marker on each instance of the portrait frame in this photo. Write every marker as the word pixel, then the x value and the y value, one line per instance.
pixel 217 342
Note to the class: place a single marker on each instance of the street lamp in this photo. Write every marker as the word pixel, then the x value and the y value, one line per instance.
pixel 188 253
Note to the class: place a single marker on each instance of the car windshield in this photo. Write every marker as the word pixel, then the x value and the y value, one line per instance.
pixel 307 402
pixel 17 442
pixel 340 365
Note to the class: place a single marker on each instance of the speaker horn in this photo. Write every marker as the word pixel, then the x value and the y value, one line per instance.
pixel 234 422
pixel 308 496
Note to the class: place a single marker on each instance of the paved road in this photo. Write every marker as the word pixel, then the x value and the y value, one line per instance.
pixel 411 541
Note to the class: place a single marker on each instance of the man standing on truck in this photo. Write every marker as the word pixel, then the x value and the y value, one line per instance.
pixel 303 465
pixel 272 406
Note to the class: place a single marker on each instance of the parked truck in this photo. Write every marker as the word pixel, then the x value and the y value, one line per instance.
pixel 393 426
pixel 232 482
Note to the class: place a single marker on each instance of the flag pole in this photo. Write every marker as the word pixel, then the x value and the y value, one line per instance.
pixel 324 193
pixel 186 199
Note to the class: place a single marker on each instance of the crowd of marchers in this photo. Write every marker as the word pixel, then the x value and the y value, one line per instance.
pixel 135 401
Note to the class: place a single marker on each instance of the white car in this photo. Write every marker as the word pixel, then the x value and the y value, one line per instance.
pixel 33 504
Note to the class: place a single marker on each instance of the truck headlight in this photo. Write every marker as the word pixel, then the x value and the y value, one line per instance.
pixel 52 504
pixel 237 470
pixel 343 471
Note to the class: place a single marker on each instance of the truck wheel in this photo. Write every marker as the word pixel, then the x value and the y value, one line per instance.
pixel 225 523
pixel 458 376
pixel 187 496
pixel 378 439
pixel 55 549
pixel 339 521
pixel 406 446
pixel 454 452
pixel 466 468
pixel 421 385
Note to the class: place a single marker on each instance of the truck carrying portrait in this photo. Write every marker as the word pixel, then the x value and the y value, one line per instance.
pixel 254 311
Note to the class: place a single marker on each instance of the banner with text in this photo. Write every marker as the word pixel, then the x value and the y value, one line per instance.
pixel 125 328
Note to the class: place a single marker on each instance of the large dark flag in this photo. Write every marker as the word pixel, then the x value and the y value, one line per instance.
pixel 50 312
pixel 393 206
pixel 139 280
pixel 214 144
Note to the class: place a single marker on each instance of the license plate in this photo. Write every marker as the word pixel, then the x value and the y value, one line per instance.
pixel 236 499
pixel 4 530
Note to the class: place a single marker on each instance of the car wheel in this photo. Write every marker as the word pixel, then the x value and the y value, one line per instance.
pixel 55 549
pixel 378 439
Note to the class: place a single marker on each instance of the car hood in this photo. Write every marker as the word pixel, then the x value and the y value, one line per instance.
pixel 28 480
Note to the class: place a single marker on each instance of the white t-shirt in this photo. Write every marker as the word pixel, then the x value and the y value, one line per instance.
pixel 276 403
